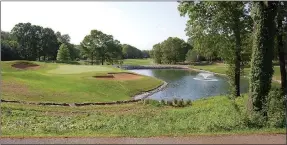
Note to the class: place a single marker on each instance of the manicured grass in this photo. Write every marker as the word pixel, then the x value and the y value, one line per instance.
pixel 77 69
pixel 222 68
pixel 216 115
pixel 138 61
pixel 69 83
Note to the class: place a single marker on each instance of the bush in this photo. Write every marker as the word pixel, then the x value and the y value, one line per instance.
pixel 276 108
pixel 174 103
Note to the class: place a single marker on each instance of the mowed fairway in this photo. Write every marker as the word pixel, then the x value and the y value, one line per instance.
pixel 77 69
pixel 138 61
pixel 69 84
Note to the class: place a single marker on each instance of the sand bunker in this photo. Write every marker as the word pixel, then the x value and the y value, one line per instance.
pixel 25 65
pixel 119 76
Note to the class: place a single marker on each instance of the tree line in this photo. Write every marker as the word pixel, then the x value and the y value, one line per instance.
pixel 33 42
pixel 240 32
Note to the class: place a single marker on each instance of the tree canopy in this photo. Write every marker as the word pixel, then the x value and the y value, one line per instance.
pixel 101 47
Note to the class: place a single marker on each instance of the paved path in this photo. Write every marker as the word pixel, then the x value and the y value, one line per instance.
pixel 230 139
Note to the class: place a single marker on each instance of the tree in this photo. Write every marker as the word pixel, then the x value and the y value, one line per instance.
pixel 130 52
pixel 65 38
pixel 170 51
pixel 221 20
pixel 145 53
pixel 157 53
pixel 281 12
pixel 100 46
pixel 49 44
pixel 22 33
pixel 63 53
pixel 262 55
pixel 191 55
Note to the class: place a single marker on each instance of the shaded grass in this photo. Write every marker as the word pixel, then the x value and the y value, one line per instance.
pixel 79 86
pixel 138 61
pixel 215 115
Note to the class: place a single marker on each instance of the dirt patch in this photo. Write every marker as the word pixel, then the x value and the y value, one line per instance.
pixel 25 65
pixel 119 76
pixel 13 87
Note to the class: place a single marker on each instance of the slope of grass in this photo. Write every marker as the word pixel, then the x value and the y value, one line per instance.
pixel 217 115
pixel 138 61
pixel 221 68
pixel 68 83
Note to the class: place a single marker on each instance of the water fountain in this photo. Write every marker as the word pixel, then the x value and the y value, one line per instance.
pixel 205 77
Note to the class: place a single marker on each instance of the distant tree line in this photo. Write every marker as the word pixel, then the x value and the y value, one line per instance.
pixel 33 42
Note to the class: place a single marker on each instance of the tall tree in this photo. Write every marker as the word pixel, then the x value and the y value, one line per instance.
pixel 49 44
pixel 281 14
pixel 157 53
pixel 229 19
pixel 262 54
pixel 22 33
pixel 174 50
pixel 101 46
pixel 63 53
pixel 131 51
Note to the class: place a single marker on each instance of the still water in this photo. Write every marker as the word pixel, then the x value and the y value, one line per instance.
pixel 184 84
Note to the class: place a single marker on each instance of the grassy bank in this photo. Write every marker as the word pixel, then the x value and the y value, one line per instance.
pixel 222 68
pixel 216 115
pixel 69 83
pixel 138 61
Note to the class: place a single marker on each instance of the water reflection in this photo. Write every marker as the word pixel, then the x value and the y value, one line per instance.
pixel 182 85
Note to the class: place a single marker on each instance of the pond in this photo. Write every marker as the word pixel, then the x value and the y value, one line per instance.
pixel 186 84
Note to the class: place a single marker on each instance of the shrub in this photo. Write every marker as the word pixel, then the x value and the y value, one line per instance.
pixel 276 108
pixel 175 102
pixel 187 102
pixel 153 102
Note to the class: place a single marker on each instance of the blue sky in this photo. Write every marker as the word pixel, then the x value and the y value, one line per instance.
pixel 141 24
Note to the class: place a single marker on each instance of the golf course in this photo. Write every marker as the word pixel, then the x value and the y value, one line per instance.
pixel 26 81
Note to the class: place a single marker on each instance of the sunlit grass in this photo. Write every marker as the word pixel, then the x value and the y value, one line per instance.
pixel 217 115
pixel 138 61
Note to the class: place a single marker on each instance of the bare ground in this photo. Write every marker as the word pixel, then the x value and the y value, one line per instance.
pixel 225 139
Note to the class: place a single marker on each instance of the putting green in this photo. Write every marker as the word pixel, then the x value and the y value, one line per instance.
pixel 77 69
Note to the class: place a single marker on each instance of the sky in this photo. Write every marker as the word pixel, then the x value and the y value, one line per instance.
pixel 141 24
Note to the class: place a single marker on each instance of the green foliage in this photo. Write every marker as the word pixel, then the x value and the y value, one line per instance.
pixel 191 55
pixel 276 106
pixel 34 41
pixel 219 29
pixel 262 55
pixel 170 51
pixel 63 53
pixel 131 52
pixel 157 53
pixel 174 103
pixel 100 46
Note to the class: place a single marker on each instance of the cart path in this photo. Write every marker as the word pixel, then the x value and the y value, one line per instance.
pixel 224 139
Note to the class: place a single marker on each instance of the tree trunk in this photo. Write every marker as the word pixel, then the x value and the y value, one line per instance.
pixel 92 59
pixel 237 54
pixel 262 55
pixel 280 48
pixel 103 59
